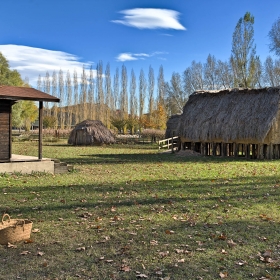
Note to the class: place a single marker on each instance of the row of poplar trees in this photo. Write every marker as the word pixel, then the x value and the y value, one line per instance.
pixel 116 102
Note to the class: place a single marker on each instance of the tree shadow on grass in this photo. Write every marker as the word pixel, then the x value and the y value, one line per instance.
pixel 205 193
pixel 148 158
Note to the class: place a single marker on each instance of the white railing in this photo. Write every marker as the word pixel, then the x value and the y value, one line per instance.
pixel 168 143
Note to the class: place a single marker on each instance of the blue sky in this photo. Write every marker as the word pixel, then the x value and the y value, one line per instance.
pixel 45 35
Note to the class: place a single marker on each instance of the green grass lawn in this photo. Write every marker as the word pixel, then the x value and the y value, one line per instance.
pixel 128 212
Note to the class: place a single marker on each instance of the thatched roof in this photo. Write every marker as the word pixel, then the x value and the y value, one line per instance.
pixel 234 115
pixel 91 132
pixel 172 126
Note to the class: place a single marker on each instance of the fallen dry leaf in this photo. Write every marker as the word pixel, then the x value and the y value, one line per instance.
pixel 79 249
pixel 231 243
pixel 141 275
pixel 125 268
pixel 11 245
pixel 164 254
pixel 25 252
pixel 35 230
pixel 223 275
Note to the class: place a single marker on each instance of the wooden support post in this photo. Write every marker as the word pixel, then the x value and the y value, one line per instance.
pixel 277 151
pixel 245 151
pixel 222 149
pixel 248 151
pixel 192 146
pixel 260 153
pixel 254 151
pixel 202 148
pixel 236 149
pixel 270 151
pixel 172 142
pixel 214 149
pixel 182 146
pixel 206 149
pixel 40 154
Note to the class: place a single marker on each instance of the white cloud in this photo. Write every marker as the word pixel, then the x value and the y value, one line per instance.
pixel 148 18
pixel 30 62
pixel 137 56
pixel 126 57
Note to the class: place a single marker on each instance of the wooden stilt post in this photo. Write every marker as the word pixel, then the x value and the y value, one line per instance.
pixel 214 150
pixel 260 153
pixel 270 151
pixel 192 146
pixel 235 148
pixel 222 149
pixel 203 148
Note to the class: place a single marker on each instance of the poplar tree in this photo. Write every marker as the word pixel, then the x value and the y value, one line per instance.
pixel 151 91
pixel 100 92
pixel 274 36
pixel 39 83
pixel 225 78
pixel 133 99
pixel 116 90
pixel 142 94
pixel 124 95
pixel 83 95
pixel 243 53
pixel 47 89
pixel 161 86
pixel 61 97
pixel 54 93
pixel 132 120
pixel 210 72
pixel 68 87
pixel 108 94
pixel 91 94
pixel 76 98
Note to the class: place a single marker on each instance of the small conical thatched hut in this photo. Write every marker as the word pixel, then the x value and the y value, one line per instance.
pixel 90 132
pixel 172 126
pixel 233 122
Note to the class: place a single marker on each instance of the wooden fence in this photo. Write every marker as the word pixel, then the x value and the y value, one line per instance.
pixel 169 143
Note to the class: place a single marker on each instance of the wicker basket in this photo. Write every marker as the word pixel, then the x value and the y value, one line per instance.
pixel 13 230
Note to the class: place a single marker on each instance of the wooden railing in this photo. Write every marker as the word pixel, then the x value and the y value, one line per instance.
pixel 169 143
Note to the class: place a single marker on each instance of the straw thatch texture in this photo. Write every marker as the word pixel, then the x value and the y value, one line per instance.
pixel 91 132
pixel 172 126
pixel 237 115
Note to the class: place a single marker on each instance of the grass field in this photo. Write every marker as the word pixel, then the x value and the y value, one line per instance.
pixel 128 212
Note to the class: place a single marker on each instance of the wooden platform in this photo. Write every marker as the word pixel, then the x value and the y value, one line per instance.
pixel 29 164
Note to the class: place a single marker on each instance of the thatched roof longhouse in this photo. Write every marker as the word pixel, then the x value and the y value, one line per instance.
pixel 234 115
pixel 172 126
pixel 91 132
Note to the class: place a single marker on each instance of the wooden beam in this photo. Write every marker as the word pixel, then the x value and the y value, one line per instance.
pixel 40 153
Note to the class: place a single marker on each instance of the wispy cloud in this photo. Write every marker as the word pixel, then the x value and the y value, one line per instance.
pixel 148 18
pixel 137 56
pixel 31 62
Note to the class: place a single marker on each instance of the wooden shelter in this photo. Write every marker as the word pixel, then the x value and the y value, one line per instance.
pixel 9 95
pixel 91 132
pixel 234 122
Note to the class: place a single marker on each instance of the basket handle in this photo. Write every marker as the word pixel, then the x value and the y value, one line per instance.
pixel 4 215
pixel 18 223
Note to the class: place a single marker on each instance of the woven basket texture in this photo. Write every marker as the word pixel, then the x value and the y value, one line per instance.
pixel 14 230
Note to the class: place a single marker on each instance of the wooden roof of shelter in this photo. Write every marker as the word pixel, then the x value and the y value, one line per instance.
pixel 25 93
pixel 233 115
